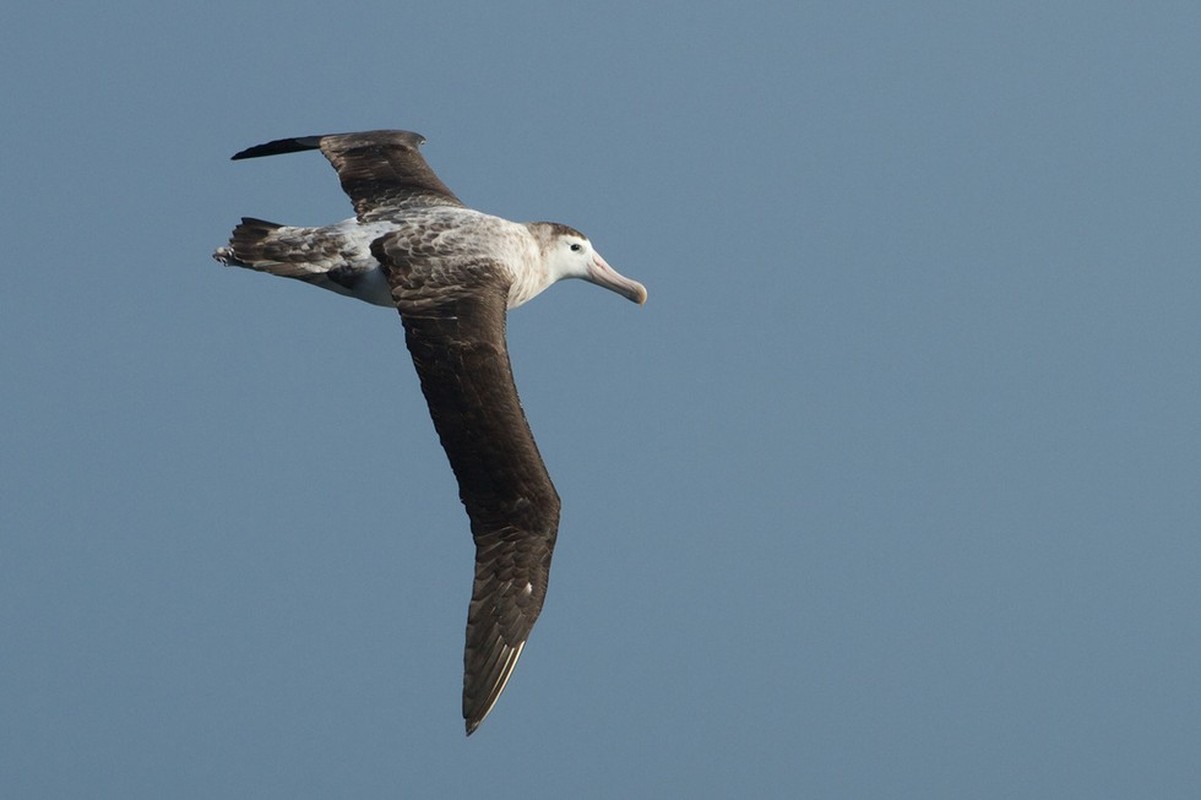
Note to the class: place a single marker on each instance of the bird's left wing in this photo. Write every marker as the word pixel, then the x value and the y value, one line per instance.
pixel 381 171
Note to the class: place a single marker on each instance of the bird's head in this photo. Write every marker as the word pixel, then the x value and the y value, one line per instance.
pixel 569 254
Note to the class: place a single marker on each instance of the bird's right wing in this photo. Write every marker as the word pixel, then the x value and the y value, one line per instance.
pixel 454 322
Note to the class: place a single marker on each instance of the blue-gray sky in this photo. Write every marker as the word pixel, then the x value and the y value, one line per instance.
pixel 891 489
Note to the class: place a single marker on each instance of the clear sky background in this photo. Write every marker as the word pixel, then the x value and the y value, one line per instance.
pixel 891 489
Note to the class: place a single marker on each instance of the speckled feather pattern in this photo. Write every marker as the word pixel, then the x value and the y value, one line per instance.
pixel 452 272
pixel 335 257
pixel 441 247
pixel 456 338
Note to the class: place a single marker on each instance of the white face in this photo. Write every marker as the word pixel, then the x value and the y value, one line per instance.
pixel 570 257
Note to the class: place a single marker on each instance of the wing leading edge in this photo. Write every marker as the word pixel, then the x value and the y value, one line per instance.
pixel 456 335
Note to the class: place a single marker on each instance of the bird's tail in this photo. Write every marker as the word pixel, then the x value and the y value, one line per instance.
pixel 255 244
pixel 334 257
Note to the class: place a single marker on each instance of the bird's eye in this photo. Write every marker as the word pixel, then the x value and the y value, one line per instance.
pixel 576 247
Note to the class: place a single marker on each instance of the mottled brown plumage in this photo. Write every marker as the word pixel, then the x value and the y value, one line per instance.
pixel 455 334
pixel 452 272
pixel 380 171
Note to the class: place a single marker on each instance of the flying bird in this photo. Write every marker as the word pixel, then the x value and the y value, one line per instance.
pixel 452 272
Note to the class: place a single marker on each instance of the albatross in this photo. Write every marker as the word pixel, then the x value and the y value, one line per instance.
pixel 452 272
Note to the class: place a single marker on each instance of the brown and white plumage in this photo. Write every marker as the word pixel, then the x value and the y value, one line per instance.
pixel 452 272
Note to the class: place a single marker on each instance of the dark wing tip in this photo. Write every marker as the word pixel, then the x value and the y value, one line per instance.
pixel 294 145
pixel 300 143
pixel 484 683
